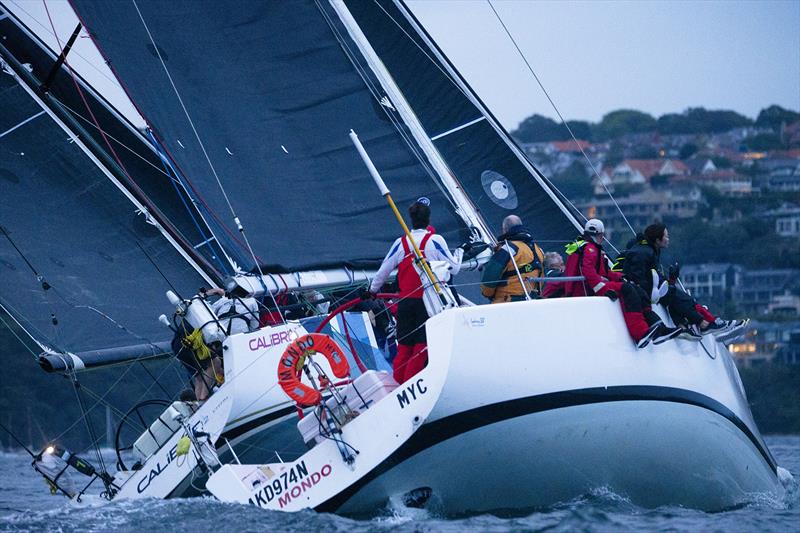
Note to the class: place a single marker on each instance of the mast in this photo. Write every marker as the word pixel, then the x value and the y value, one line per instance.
pixel 457 79
pixel 465 209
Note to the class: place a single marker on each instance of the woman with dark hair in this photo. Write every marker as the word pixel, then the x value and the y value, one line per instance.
pixel 642 266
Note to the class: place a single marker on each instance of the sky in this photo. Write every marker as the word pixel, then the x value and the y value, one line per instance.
pixel 597 56
pixel 592 57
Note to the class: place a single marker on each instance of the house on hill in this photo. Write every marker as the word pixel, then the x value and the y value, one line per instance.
pixel 638 172
pixel 727 181
pixel 644 207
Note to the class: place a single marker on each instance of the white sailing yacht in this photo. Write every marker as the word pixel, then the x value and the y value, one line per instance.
pixel 248 106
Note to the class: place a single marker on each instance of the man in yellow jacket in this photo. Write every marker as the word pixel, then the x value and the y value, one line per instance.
pixel 506 277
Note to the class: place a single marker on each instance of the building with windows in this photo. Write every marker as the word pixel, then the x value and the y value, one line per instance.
pixel 758 288
pixel 767 342
pixel 711 280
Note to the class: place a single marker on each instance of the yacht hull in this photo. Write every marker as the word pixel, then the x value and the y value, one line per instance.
pixel 545 401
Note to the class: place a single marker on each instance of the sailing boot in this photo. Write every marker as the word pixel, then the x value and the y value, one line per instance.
pixel 733 330
pixel 666 333
pixel 690 333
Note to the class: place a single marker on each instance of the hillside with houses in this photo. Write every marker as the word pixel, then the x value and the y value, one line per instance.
pixel 727 186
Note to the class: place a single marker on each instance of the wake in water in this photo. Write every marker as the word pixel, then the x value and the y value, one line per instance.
pixel 26 506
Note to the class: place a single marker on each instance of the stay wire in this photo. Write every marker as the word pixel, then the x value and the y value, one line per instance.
pixel 560 116
pixel 147 205
pixel 13 436
pixel 7 325
pixel 207 157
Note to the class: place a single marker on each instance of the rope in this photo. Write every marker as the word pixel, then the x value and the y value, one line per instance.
pixel 560 116
pixel 170 172
pixel 208 159
pixel 143 198
pixel 6 324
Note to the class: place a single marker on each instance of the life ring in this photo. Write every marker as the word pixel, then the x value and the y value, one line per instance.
pixel 290 366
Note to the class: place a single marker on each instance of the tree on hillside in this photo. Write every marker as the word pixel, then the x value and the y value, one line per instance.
pixel 618 123
pixel 774 115
pixel 537 128
pixel 615 155
pixel 581 129
pixel 574 182
pixel 764 142
pixel 687 150
pixel 701 120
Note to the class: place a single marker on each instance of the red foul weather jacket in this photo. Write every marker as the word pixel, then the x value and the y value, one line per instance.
pixel 590 261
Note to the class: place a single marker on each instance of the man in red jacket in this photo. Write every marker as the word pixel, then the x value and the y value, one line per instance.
pixel 585 257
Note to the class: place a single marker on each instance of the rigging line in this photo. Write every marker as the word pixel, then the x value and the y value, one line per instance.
pixel 422 49
pixel 152 262
pixel 22 255
pixel 17 441
pixel 189 185
pixel 155 379
pixel 205 153
pixel 372 87
pixel 560 116
pixel 175 180
pixel 23 343
pixel 48 30
pixel 445 168
pixel 16 316
pixel 185 111
pixel 396 122
pixel 101 130
pixel 174 234
pixel 88 419
pixel 104 395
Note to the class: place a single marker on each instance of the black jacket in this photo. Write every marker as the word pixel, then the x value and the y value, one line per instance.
pixel 640 260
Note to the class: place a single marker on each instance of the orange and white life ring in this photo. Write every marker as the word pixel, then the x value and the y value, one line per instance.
pixel 290 366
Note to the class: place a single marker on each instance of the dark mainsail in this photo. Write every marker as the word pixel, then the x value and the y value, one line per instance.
pixel 475 147
pixel 64 220
pixel 272 94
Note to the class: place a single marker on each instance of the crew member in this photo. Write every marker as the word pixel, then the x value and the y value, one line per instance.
pixel 642 266
pixel 553 268
pixel 585 257
pixel 412 348
pixel 506 278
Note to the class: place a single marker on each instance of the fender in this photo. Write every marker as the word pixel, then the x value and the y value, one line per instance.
pixel 290 366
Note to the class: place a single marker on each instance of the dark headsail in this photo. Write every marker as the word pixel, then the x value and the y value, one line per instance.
pixel 271 93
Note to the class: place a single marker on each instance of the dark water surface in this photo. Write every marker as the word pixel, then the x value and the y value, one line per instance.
pixel 25 505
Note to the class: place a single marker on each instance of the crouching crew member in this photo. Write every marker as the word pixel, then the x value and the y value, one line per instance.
pixel 642 266
pixel 585 257
pixel 504 275
pixel 412 348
